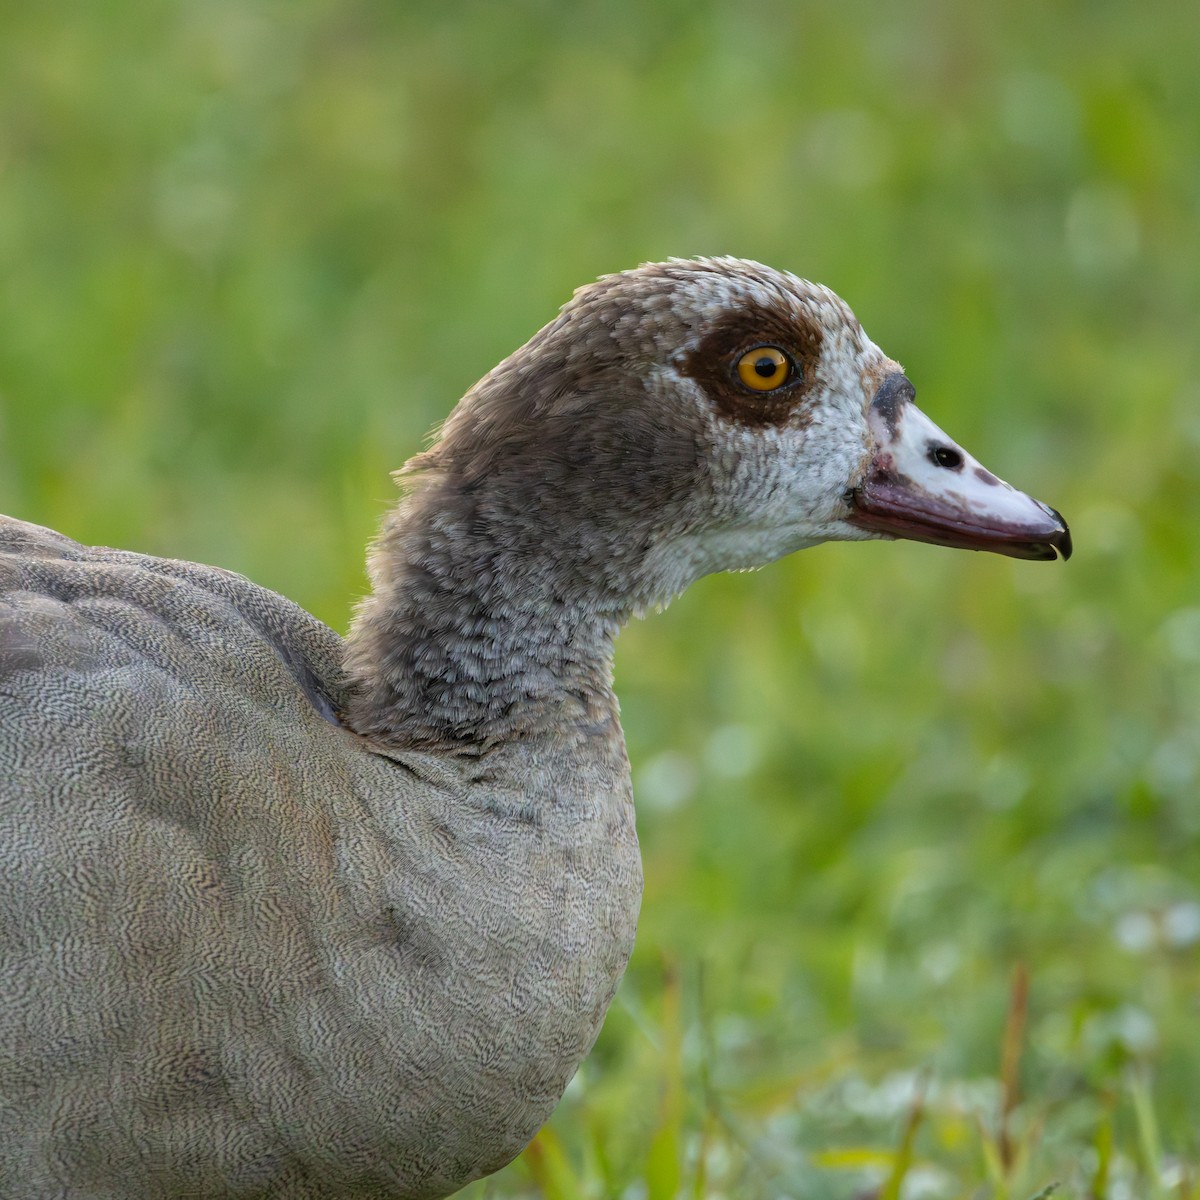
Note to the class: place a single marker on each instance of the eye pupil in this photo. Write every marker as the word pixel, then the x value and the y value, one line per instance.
pixel 766 367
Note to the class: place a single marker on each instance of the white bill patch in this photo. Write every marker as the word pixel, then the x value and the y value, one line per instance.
pixel 914 450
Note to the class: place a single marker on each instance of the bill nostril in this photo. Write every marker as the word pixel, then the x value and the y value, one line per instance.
pixel 946 456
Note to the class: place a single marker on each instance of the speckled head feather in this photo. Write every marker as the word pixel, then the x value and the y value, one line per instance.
pixel 620 335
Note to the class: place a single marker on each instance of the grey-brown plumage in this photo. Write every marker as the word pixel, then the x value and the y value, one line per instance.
pixel 286 916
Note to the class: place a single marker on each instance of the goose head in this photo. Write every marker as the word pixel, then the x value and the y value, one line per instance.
pixel 682 418
pixel 813 431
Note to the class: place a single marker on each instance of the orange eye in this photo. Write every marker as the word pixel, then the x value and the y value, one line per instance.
pixel 764 368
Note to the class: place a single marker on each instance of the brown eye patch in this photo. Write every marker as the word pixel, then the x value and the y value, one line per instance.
pixel 731 350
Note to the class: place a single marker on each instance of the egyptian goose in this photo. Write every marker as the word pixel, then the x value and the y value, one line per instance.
pixel 286 915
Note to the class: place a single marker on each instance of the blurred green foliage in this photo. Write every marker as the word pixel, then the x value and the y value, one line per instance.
pixel 251 253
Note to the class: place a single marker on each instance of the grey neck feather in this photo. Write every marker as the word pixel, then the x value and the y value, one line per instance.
pixel 475 634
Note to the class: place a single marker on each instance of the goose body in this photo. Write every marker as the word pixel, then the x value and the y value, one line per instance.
pixel 289 916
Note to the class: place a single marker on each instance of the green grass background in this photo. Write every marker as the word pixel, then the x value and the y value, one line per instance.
pixel 250 253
